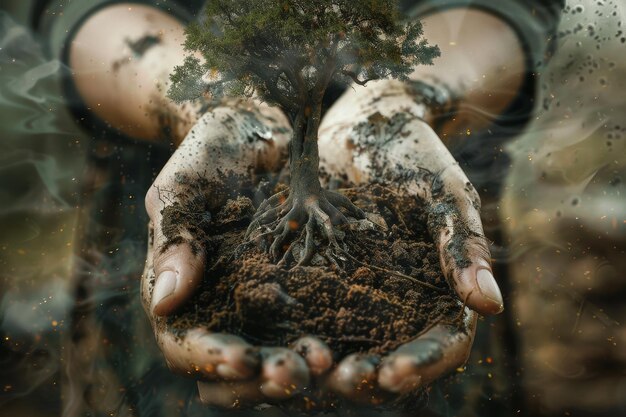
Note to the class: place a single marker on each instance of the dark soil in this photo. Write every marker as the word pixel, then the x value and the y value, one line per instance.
pixel 382 289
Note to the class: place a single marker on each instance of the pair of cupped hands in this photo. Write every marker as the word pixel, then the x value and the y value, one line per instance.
pixel 231 372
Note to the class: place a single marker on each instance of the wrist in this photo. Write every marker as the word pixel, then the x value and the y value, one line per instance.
pixel 386 97
pixel 438 100
pixel 442 104
pixel 430 100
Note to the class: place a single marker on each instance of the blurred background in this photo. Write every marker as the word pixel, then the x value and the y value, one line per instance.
pixel 74 340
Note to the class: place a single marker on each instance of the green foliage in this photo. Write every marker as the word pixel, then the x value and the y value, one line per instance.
pixel 187 81
pixel 288 51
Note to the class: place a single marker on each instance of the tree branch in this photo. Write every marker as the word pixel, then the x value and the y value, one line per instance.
pixel 330 69
pixel 355 77
pixel 297 82
pixel 285 102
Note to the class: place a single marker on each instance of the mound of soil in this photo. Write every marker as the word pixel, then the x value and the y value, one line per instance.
pixel 382 289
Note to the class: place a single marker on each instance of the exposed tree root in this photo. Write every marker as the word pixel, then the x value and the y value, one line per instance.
pixel 284 216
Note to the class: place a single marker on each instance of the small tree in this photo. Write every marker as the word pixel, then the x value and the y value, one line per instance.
pixel 287 52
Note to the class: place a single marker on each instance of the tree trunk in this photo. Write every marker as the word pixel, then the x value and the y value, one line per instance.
pixel 304 155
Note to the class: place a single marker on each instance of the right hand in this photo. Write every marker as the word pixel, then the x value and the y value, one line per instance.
pixel 377 133
pixel 237 371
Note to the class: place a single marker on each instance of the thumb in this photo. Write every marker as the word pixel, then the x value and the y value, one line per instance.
pixel 219 143
pixel 178 266
pixel 454 222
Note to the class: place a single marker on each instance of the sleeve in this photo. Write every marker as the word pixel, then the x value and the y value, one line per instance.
pixel 56 23
pixel 535 21
pixel 57 20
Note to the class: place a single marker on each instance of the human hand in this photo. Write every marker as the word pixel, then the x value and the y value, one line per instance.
pixel 377 133
pixel 228 140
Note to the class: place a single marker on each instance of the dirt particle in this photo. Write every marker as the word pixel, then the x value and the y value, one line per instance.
pixel 140 46
pixel 360 302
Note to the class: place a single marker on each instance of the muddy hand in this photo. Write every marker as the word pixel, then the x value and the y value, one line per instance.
pixel 437 352
pixel 233 373
pixel 374 381
pixel 228 140
pixel 378 134
pixel 284 373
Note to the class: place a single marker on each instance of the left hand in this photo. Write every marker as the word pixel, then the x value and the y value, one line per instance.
pixel 378 132
pixel 223 150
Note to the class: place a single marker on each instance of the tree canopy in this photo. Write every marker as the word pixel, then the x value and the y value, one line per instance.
pixel 288 51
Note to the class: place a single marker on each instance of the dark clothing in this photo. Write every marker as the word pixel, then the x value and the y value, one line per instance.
pixel 535 22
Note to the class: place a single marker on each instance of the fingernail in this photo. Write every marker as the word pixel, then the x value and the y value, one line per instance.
pixel 228 372
pixel 277 391
pixel 489 288
pixel 164 287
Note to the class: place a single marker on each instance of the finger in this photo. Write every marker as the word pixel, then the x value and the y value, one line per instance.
pixel 217 149
pixel 230 395
pixel 210 355
pixel 198 352
pixel 147 277
pixel 178 268
pixel 284 374
pixel 316 354
pixel 152 288
pixel 355 378
pixel 454 221
pixel 179 271
pixel 437 352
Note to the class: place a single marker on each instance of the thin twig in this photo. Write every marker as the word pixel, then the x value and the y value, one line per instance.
pixel 351 339
pixel 459 317
pixel 396 273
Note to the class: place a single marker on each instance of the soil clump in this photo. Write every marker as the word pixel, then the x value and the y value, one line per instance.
pixel 382 288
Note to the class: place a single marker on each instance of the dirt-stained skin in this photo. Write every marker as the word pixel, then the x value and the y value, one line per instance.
pixel 362 139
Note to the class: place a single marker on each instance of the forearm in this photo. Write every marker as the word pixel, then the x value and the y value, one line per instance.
pixel 482 60
pixel 121 58
pixel 482 67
